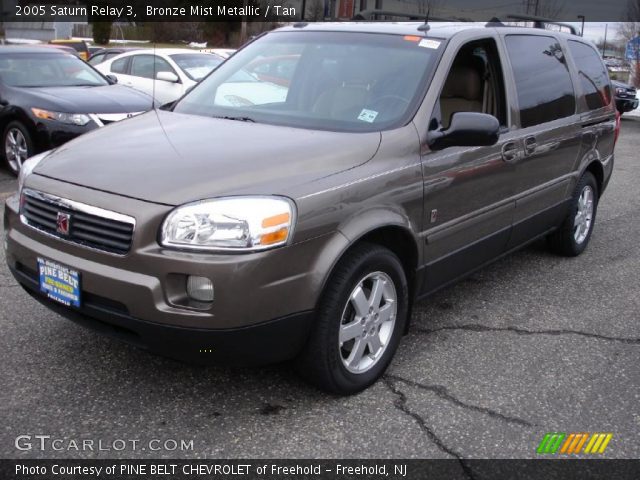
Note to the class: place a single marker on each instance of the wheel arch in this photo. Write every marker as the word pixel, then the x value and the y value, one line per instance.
pixel 19 115
pixel 395 235
pixel 597 170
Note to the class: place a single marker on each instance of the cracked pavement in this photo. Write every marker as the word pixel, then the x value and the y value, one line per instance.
pixel 532 344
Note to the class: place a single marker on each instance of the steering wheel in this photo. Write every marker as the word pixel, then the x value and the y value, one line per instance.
pixel 390 104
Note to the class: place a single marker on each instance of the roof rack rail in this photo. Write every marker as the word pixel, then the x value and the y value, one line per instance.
pixel 542 22
pixel 375 14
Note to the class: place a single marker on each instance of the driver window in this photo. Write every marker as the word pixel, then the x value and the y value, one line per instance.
pixel 474 83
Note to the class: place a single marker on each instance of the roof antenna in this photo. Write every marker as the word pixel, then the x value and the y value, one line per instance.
pixel 425 27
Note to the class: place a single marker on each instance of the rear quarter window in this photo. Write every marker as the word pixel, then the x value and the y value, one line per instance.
pixel 594 80
pixel 542 78
pixel 120 65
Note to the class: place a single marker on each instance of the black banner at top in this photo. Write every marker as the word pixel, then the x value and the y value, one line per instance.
pixel 137 11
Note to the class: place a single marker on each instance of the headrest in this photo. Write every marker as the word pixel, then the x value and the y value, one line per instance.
pixel 463 82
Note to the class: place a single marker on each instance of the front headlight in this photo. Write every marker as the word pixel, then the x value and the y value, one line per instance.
pixel 79 119
pixel 621 91
pixel 230 224
pixel 28 166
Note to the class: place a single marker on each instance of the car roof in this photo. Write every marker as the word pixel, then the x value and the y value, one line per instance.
pixel 443 30
pixel 40 49
pixel 168 51
pixel 67 40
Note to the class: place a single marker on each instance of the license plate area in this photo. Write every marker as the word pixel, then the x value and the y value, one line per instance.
pixel 59 282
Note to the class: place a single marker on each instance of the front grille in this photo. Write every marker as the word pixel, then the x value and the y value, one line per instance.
pixel 103 119
pixel 88 226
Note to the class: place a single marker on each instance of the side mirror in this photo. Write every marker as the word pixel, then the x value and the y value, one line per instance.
pixel 112 79
pixel 167 77
pixel 467 129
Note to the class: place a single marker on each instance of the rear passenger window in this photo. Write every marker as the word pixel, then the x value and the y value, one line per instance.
pixel 147 66
pixel 120 65
pixel 593 75
pixel 543 82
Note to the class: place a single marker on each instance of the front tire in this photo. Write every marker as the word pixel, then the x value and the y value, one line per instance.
pixel 361 318
pixel 573 236
pixel 17 146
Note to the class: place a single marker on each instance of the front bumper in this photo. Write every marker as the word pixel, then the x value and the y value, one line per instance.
pixel 261 311
pixel 269 342
pixel 50 134
pixel 626 104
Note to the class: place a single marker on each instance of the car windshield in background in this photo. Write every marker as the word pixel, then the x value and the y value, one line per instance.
pixel 47 70
pixel 196 66
pixel 319 80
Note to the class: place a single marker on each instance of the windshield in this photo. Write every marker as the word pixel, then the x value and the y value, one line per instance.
pixel 319 80
pixel 47 70
pixel 196 66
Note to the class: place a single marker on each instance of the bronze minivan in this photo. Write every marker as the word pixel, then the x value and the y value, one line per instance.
pixel 255 221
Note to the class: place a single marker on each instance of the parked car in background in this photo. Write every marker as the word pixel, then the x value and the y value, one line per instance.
pixel 105 54
pixel 395 164
pixel 93 49
pixel 164 73
pixel 223 52
pixel 79 46
pixel 59 48
pixel 275 69
pixel 625 96
pixel 48 97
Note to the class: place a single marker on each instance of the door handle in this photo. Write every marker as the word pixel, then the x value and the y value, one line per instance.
pixel 510 152
pixel 530 145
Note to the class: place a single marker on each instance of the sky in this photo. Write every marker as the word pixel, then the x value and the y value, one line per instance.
pixel 594 31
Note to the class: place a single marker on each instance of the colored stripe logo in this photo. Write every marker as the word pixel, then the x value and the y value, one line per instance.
pixel 574 443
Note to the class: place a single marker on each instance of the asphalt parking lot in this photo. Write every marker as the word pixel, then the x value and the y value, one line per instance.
pixel 533 344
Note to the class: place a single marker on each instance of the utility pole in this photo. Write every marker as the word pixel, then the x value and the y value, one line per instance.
pixel 604 44
pixel 243 25
pixel 581 17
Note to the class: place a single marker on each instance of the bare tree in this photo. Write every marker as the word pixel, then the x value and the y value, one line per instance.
pixel 430 6
pixel 544 8
pixel 631 28
pixel 315 11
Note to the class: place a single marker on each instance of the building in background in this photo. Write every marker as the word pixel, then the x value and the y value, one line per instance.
pixel 35 31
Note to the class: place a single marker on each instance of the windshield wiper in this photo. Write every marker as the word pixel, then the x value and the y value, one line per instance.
pixel 239 119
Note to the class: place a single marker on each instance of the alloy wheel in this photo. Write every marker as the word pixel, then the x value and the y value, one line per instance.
pixel 367 322
pixel 584 215
pixel 15 149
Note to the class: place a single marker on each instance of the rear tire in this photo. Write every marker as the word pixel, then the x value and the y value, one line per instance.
pixel 572 237
pixel 361 318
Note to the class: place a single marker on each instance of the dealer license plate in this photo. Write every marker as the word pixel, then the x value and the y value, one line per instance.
pixel 59 283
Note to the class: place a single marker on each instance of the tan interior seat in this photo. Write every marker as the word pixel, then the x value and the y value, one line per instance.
pixel 343 102
pixel 462 92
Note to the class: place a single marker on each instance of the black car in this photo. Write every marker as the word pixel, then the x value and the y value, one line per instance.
pixel 105 54
pixel 48 97
pixel 625 96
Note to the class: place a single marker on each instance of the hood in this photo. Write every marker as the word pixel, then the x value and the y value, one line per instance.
pixel 619 84
pixel 104 99
pixel 173 158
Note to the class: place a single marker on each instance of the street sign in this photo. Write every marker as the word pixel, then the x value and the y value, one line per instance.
pixel 633 49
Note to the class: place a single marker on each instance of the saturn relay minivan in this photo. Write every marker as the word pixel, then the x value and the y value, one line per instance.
pixel 237 227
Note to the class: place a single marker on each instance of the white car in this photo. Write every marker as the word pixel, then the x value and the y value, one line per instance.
pixel 164 73
pixel 222 52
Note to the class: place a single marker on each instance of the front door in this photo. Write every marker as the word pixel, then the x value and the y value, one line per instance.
pixel 468 192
